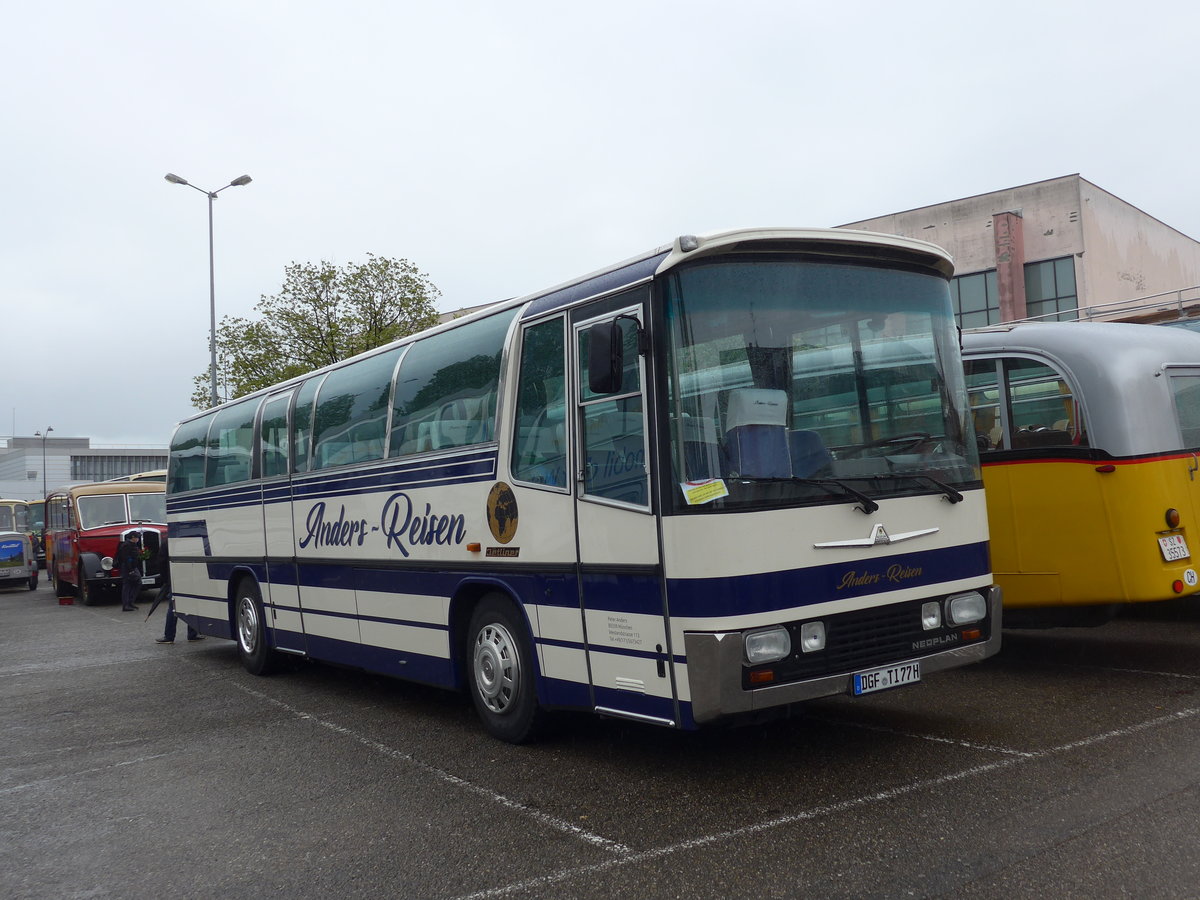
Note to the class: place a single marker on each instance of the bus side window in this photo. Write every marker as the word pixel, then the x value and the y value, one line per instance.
pixel 539 453
pixel 302 418
pixel 351 413
pixel 186 463
pixel 983 387
pixel 273 442
pixel 445 385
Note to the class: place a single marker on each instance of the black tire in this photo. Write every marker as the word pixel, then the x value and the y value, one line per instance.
pixel 250 629
pixel 500 671
pixel 87 594
pixel 33 580
pixel 61 589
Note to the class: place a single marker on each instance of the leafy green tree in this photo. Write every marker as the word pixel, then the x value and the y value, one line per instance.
pixel 324 313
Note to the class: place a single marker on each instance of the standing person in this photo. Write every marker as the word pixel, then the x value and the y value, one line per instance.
pixel 164 569
pixel 129 562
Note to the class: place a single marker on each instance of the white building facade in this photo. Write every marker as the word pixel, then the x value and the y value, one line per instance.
pixel 31 467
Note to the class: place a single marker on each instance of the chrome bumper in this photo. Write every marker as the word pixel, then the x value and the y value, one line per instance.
pixel 715 671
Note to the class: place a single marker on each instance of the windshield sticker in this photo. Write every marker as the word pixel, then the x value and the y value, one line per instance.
pixel 697 493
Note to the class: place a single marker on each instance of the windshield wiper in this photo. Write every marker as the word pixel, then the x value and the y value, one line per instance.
pixel 951 494
pixel 867 505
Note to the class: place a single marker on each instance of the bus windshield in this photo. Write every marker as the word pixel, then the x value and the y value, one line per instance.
pixel 801 382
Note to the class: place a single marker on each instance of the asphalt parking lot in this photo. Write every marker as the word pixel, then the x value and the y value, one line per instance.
pixel 1065 767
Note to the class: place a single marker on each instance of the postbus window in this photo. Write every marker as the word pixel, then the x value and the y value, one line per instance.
pixel 446 388
pixel 1186 389
pixel 302 424
pixel 540 436
pixel 983 389
pixel 187 455
pixel 1044 412
pixel 351 414
pixel 230 444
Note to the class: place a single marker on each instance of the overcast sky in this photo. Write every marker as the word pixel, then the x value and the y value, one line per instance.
pixel 507 147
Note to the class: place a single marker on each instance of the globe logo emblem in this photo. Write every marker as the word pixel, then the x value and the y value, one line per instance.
pixel 502 512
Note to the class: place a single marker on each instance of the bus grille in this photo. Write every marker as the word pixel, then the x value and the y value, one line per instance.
pixel 865 639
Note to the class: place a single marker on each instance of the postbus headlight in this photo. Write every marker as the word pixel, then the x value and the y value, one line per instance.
pixel 766 646
pixel 106 564
pixel 963 609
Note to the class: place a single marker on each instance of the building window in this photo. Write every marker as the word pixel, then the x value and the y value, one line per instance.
pixel 976 299
pixel 1050 290
pixel 102 468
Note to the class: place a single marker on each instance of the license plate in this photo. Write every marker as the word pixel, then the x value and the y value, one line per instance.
pixel 889 677
pixel 147 579
pixel 1173 547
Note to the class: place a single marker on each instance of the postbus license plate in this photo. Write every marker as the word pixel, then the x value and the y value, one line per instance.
pixel 147 579
pixel 1173 547
pixel 889 677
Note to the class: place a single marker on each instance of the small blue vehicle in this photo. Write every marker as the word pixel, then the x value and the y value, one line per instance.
pixel 18 565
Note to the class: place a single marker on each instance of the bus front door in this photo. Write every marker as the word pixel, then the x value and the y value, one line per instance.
pixel 281 591
pixel 621 596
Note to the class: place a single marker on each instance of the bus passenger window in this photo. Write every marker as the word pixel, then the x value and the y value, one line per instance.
pixel 540 438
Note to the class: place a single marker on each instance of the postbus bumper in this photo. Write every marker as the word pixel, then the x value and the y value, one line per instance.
pixel 715 671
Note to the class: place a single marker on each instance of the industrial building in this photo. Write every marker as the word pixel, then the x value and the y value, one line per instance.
pixel 1056 250
pixel 32 466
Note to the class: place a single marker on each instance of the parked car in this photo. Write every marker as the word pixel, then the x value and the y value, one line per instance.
pixel 84 525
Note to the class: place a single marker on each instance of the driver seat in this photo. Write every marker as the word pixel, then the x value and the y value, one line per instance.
pixel 756 433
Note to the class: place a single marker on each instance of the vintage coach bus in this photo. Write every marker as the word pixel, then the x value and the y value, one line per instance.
pixel 84 525
pixel 637 493
pixel 1090 441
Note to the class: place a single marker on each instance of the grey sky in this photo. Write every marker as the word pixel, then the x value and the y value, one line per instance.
pixel 504 148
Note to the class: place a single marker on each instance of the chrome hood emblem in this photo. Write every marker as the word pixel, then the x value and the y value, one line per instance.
pixel 878 535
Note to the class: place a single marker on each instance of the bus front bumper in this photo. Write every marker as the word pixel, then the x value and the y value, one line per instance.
pixel 715 671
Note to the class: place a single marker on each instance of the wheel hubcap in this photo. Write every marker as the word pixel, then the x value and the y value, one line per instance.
pixel 247 625
pixel 497 667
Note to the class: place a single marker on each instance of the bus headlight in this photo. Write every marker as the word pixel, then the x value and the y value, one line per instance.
pixel 766 646
pixel 963 609
pixel 812 636
pixel 931 615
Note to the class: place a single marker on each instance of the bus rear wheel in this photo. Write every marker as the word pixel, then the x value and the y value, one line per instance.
pixel 251 630
pixel 500 672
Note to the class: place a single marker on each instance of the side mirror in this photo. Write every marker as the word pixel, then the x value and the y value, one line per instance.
pixel 606 357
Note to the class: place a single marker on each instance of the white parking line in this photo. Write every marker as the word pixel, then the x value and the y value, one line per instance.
pixel 492 796
pixel 1013 758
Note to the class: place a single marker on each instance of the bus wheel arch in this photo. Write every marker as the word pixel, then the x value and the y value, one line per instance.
pixel 498 664
pixel 249 626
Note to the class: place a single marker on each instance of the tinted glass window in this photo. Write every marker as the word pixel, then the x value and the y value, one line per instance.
pixel 273 443
pixel 352 410
pixel 187 456
pixel 540 436
pixel 302 424
pixel 446 388
pixel 230 443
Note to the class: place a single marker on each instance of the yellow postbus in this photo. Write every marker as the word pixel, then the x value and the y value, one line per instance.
pixel 1089 435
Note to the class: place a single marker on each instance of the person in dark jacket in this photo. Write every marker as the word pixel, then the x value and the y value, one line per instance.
pixel 128 562
pixel 164 569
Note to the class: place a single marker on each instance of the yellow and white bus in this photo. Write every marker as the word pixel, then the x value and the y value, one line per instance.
pixel 641 493
pixel 1090 442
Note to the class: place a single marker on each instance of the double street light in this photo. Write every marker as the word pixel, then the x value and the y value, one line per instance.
pixel 43 435
pixel 212 284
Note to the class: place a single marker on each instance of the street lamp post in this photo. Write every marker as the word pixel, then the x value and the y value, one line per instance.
pixel 43 435
pixel 212 283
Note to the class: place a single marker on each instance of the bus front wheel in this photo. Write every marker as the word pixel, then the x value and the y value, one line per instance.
pixel 501 672
pixel 251 629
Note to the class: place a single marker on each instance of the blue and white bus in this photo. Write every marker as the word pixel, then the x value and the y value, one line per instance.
pixel 726 476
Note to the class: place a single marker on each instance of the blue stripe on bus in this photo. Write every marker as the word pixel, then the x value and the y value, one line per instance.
pixel 768 591
pixel 478 465
pixel 590 287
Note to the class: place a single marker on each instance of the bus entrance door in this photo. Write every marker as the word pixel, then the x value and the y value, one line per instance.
pixel 620 570
pixel 281 592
